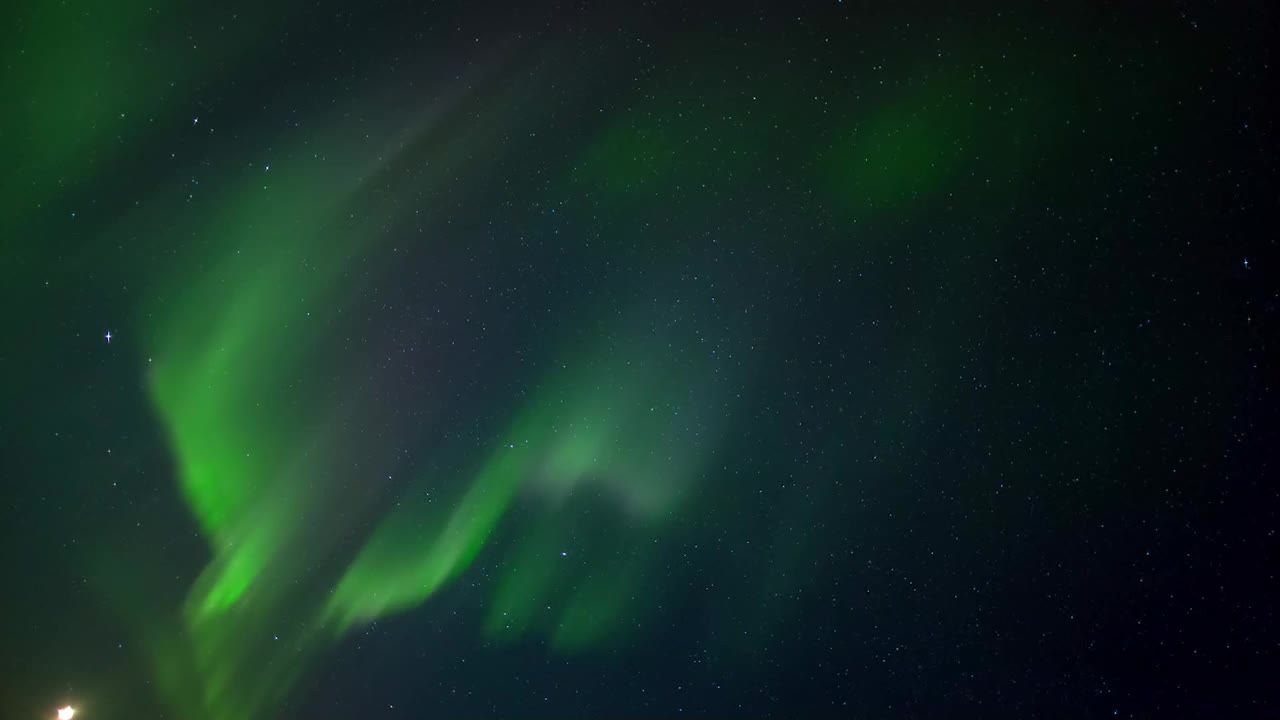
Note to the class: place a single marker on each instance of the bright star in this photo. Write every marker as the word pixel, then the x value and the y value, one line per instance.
pixel 108 340
pixel 66 713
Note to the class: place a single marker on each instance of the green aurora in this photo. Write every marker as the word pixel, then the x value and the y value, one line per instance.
pixel 510 327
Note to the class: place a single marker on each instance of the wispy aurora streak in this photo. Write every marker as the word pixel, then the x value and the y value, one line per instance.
pixel 611 424
pixel 257 408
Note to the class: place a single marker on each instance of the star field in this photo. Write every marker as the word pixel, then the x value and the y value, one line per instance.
pixel 406 359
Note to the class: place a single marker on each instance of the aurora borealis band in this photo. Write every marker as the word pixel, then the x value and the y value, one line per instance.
pixel 637 360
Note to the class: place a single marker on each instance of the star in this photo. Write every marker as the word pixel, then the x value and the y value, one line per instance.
pixel 108 336
pixel 66 713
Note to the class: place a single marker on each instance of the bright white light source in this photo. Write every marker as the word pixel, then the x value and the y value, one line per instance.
pixel 66 713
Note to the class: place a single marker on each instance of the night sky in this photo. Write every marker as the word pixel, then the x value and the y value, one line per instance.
pixel 638 360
